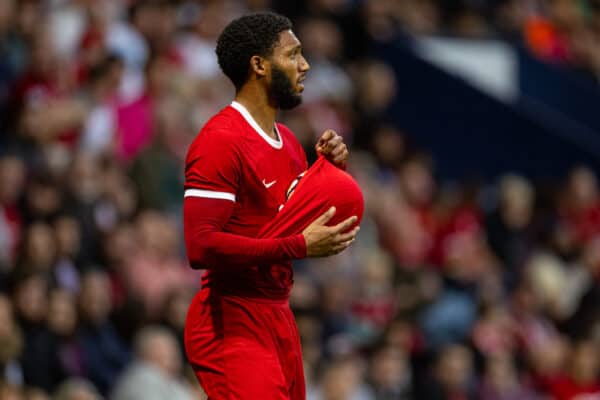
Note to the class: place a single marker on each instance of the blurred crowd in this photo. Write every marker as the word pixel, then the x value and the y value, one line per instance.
pixel 454 290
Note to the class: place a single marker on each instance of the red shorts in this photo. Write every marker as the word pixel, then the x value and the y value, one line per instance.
pixel 244 348
pixel 249 348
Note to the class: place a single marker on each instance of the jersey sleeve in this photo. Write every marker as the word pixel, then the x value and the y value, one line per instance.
pixel 209 247
pixel 213 166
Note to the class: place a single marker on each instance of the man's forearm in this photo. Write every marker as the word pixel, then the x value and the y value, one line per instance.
pixel 209 247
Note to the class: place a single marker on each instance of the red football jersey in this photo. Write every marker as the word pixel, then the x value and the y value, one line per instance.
pixel 235 160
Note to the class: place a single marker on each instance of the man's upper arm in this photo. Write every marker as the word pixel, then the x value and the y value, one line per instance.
pixel 213 167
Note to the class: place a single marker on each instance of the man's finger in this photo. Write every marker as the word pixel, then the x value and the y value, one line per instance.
pixel 340 159
pixel 342 246
pixel 341 156
pixel 327 135
pixel 344 237
pixel 345 224
pixel 326 216
pixel 322 149
pixel 326 140
pixel 334 143
pixel 337 151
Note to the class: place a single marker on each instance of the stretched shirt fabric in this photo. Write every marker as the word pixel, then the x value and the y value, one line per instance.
pixel 322 186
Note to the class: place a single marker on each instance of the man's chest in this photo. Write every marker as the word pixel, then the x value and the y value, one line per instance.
pixel 265 178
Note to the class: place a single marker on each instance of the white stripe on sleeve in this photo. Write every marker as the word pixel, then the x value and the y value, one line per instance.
pixel 209 194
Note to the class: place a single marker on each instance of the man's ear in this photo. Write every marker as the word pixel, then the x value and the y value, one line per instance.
pixel 259 65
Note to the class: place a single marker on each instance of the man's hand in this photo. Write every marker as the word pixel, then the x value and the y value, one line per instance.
pixel 332 146
pixel 323 241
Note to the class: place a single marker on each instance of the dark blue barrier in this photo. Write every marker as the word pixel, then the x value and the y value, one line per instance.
pixel 473 135
pixel 576 96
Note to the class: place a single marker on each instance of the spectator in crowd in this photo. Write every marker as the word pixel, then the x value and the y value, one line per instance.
pixel 343 378
pixel 11 392
pixel 174 314
pixel 38 359
pixel 12 181
pixel 155 271
pixel 585 292
pixel 391 375
pixel 375 304
pixel 38 251
pixel 62 323
pixel 502 382
pixel 155 370
pixel 452 375
pixel 33 393
pixel 69 259
pixel 76 389
pixel 99 131
pixel 509 227
pixel 582 373
pixel 103 352
pixel 11 344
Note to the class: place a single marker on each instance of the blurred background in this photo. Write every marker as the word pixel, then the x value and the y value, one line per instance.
pixel 474 133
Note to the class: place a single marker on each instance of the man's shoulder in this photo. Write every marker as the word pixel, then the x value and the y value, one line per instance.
pixel 222 129
pixel 225 124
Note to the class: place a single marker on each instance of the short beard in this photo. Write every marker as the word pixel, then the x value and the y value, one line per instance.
pixel 281 91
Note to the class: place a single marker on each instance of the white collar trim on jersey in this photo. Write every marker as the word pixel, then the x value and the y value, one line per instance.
pixel 278 144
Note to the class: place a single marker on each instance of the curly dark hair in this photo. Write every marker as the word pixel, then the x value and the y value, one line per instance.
pixel 247 36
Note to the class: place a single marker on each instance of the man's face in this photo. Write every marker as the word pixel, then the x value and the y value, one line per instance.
pixel 288 71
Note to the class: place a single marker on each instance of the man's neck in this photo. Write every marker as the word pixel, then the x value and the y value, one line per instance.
pixel 257 104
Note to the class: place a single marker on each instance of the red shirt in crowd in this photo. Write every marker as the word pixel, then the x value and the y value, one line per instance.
pixel 565 388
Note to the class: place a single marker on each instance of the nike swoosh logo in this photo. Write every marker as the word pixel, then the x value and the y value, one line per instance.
pixel 268 185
